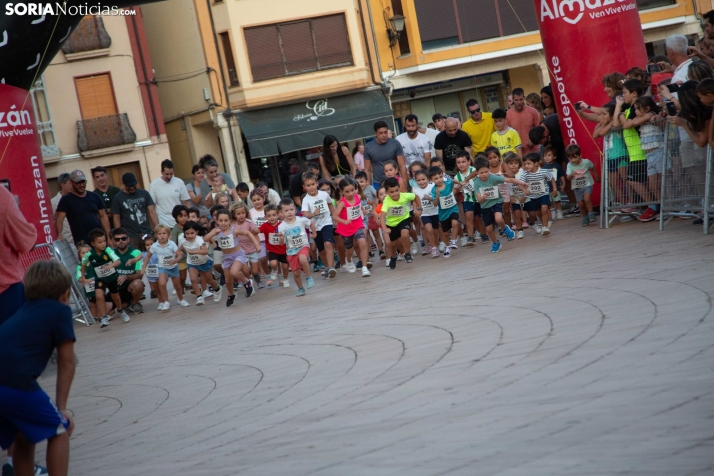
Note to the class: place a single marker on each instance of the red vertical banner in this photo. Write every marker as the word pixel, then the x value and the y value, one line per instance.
pixel 583 40
pixel 22 169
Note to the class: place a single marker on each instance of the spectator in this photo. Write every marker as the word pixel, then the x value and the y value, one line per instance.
pixel 336 160
pixel 479 127
pixel 457 116
pixel 698 71
pixel 83 209
pixel 416 146
pixel 296 189
pixel 709 24
pixel 129 283
pixel 431 132
pixel 523 118
pixel 195 195
pixel 509 101
pixel 65 188
pixel 439 121
pixel 450 142
pixel 104 190
pixel 358 156
pixel 167 191
pixel 534 101
pixel 133 209
pixel 379 151
pixel 546 97
pixel 613 87
pixel 676 48
pixel 210 185
pixel 272 197
pixel 17 237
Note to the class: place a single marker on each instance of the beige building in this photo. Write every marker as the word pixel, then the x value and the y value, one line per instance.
pixel 95 107
pixel 259 84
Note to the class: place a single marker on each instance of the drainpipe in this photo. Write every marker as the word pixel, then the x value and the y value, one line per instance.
pixel 385 87
pixel 147 83
pixel 369 54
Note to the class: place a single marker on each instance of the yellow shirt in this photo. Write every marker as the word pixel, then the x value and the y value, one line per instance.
pixel 480 132
pixel 506 142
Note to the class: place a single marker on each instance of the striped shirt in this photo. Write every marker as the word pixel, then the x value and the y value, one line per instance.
pixel 468 189
pixel 538 182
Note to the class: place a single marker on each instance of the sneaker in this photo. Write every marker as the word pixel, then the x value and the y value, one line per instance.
pixel 408 258
pixel 509 233
pixel 520 234
pixel 545 231
pixel 222 282
pixel 153 295
pixel 200 301
pixel 321 265
pixel 393 262
pixel 206 293
pixel 573 211
pixel 137 308
pixel 389 260
pixel 173 291
pixel 537 229
pixel 337 264
pixel 369 265
pixel 414 248
pixel 591 216
pixel 501 232
pixel 400 257
pixel 585 222
pixel 469 241
pixel 261 285
pixel 452 245
pixel 559 214
pixel 382 255
pixel 350 267
pixel 217 294
pixel 310 282
pixel 625 218
pixel 315 268
pixel 435 253
pixel 550 223
pixel 359 265
pixel 124 316
pixel 370 255
pixel 464 240
pixel 249 288
pixel 485 239
pixel 425 250
pixel 447 253
pixel 496 247
pixel 373 247
pixel 366 273
pixel 229 301
pixel 442 246
pixel 301 292
pixel 39 470
pixel 286 283
pixel 183 303
pixel 331 273
pixel 105 321
pixel 648 215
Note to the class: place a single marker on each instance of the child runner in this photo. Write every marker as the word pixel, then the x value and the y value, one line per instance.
pixel 250 244
pixel 495 166
pixel 169 256
pixel 257 216
pixel 472 209
pixel 505 139
pixel 152 269
pixel 417 237
pixel 368 206
pixel 329 188
pixel 540 184
pixel 180 214
pixel 556 169
pixel 518 198
pixel 317 206
pixel 381 194
pixel 277 255
pixel 391 169
pixel 104 261
pixel 199 263
pixel 292 234
pixel 581 173
pixel 442 195
pixel 395 219
pixel 348 216
pixel 88 282
pixel 491 202
pixel 429 214
pixel 234 259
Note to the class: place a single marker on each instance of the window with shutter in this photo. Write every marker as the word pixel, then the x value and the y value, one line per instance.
pixel 437 20
pixel 331 41
pixel 298 47
pixel 478 19
pixel 266 60
pixel 96 96
pixel 521 21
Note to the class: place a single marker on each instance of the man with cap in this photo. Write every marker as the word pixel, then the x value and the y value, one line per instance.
pixel 83 209
pixel 133 209
pixel 65 188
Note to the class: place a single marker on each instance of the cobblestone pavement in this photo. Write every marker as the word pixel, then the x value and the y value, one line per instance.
pixel 589 352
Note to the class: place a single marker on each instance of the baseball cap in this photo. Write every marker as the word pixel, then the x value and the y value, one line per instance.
pixel 77 176
pixel 63 178
pixel 129 179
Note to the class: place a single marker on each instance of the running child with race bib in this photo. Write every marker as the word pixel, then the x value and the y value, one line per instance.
pixel 277 254
pixel 348 216
pixel 199 263
pixel 442 196
pixel 540 185
pixel 169 256
pixel 249 245
pixel 317 206
pixel 429 214
pixel 472 209
pixel 297 246
pixel 395 219
pixel 257 216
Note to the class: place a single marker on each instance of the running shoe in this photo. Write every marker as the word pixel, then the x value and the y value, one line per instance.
pixel 124 316
pixel 207 293
pixel 537 228
pixel 447 252
pixel 310 282
pixel 585 222
pixel 231 298
pixel 350 267
pixel 301 292
pixel 509 233
pixel 435 253
pixel 331 273
pixel 183 303
pixel 217 293
pixel 105 321
pixel 425 250
pixel 200 301
pixel 496 247
pixel 464 240
pixel 485 239
pixel 249 288
pixel 365 272
pixel 520 234
pixel 393 262
pixel 545 231
pixel 453 245
pixel 559 214
pixel 469 241
pixel 408 258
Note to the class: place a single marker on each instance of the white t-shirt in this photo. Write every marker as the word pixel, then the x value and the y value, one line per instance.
pixel 166 196
pixel 431 134
pixel 414 149
pixel 165 253
pixel 428 207
pixel 196 244
pixel 319 202
pixel 258 217
pixel 295 234
pixel 682 72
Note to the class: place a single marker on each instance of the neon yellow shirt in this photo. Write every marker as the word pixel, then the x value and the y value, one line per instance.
pixel 480 132
pixel 397 211
pixel 506 142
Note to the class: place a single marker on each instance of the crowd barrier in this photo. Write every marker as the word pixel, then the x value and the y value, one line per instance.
pixel 668 171
pixel 62 252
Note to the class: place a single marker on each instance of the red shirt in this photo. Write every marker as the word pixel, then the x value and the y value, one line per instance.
pixel 266 228
pixel 17 237
pixel 523 122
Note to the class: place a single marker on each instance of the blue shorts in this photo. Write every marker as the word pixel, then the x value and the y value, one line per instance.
pixel 472 207
pixel 170 272
pixel 517 206
pixel 433 219
pixel 325 235
pixel 488 215
pixel 535 203
pixel 203 268
pixel 31 413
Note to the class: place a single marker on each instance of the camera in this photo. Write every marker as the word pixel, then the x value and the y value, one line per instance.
pixel 654 68
pixel 673 88
pixel 671 110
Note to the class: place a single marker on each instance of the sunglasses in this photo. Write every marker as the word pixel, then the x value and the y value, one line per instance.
pixel 121 238
pixel 475 111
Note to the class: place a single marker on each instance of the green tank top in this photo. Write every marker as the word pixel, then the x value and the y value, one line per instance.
pixel 632 139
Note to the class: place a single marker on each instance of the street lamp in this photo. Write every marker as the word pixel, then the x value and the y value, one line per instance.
pixel 397 22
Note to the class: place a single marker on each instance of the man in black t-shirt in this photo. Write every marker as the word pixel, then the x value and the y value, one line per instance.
pixel 450 142
pixel 134 209
pixel 84 210
pixel 296 190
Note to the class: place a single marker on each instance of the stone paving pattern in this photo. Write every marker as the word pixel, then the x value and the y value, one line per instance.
pixel 590 352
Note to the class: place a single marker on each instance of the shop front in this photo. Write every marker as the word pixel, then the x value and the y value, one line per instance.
pixel 280 139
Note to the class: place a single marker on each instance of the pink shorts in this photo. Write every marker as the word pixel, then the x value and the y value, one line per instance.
pixel 294 260
pixel 372 224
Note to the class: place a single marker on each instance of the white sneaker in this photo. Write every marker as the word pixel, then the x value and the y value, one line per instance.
pixel 124 316
pixel 559 214
pixel 173 291
pixel 183 303
pixel 207 294
pixel 447 253
pixel 537 229
pixel 217 295
pixel 164 306
pixel 400 257
pixel 550 223
pixel 350 267
pixel 442 246
pixel 453 245
pixel 105 321
pixel 199 301
pixel 286 283
pixel 414 248
pixel 519 234
pixel 464 239
pixel 365 272
pixel 388 260
pixel 545 231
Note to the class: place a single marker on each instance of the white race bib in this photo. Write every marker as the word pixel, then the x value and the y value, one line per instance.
pixel 468 187
pixel 447 201
pixel 195 259
pixel 354 213
pixel 152 271
pixel 554 174
pixel 580 182
pixel 489 193
pixel 367 209
pixel 89 287
pixel 259 221
pixel 537 187
pixel 319 207
pixel 101 273
pixel 165 261
pixel 226 242
pixel 396 211
pixel 297 241
pixel 274 238
pixel 426 204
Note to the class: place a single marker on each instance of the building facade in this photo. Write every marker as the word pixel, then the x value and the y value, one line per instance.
pixel 95 106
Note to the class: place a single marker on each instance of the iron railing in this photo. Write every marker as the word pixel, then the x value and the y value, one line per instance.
pixel 89 35
pixel 103 132
pixel 289 68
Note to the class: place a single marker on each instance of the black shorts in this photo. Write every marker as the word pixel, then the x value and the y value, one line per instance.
pixel 112 286
pixel 637 171
pixel 488 215
pixel 395 232
pixel 325 235
pixel 447 224
pixel 276 257
pixel 535 204
pixel 125 296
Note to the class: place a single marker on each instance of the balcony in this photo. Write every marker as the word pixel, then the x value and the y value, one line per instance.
pixel 88 40
pixel 105 134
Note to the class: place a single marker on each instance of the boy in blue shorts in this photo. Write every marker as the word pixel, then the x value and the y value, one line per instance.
pixel 491 201
pixel 27 340
pixel 540 185
pixel 442 195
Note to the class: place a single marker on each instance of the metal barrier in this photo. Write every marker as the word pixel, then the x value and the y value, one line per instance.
pixel 62 252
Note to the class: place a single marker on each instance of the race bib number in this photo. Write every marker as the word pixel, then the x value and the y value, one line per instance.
pixel 468 187
pixel 259 221
pixel 489 193
pixel 537 187
pixel 447 201
pixel 367 209
pixel 226 242
pixel 297 241
pixel 426 204
pixel 194 258
pixel 165 261
pixel 152 271
pixel 274 238
pixel 580 182
pixel 89 287
pixel 319 207
pixel 396 211
pixel 353 213
pixel 102 273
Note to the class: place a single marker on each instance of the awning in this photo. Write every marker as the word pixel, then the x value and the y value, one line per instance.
pixel 303 125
